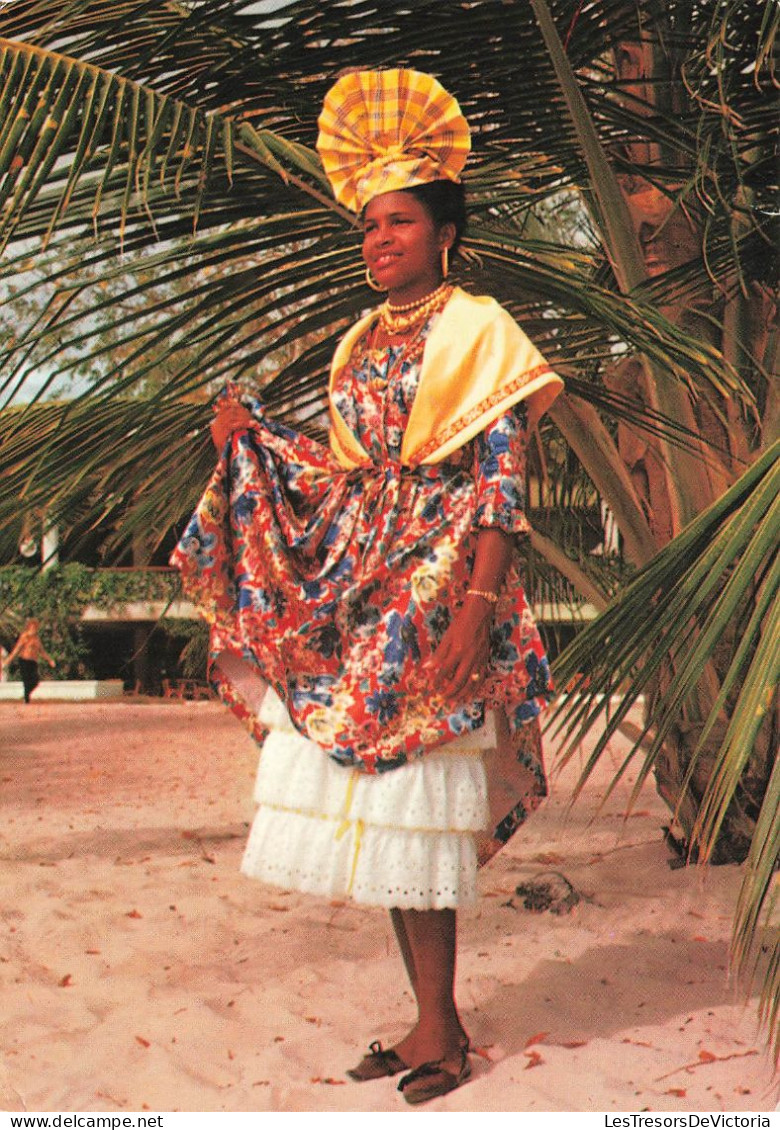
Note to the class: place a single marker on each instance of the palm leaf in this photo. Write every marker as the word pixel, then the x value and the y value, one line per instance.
pixel 62 112
pixel 725 560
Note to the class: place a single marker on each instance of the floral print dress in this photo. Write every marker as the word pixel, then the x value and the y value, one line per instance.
pixel 336 586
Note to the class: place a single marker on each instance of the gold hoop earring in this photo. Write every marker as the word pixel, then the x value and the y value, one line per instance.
pixel 372 282
pixel 445 262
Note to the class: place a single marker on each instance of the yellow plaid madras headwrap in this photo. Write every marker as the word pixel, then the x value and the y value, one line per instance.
pixel 381 131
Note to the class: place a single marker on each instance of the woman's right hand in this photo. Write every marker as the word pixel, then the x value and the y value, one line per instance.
pixel 229 417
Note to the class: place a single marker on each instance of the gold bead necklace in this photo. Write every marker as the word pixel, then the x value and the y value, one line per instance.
pixel 398 319
pixel 418 302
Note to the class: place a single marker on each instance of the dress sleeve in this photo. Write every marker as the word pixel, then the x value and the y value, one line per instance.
pixel 499 471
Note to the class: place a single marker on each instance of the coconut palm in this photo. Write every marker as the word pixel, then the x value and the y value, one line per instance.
pixel 176 139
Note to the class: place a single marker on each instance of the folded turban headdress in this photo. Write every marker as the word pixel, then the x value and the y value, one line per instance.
pixel 381 131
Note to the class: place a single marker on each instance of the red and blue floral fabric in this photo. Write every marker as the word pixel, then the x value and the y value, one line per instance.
pixel 336 586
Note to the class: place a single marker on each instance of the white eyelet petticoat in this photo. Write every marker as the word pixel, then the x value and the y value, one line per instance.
pixel 404 838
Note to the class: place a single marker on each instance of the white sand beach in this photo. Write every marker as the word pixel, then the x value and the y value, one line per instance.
pixel 141 971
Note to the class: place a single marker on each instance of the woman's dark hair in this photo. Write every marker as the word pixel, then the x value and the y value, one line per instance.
pixel 445 201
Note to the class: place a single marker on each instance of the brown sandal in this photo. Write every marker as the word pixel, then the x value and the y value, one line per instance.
pixel 430 1080
pixel 379 1063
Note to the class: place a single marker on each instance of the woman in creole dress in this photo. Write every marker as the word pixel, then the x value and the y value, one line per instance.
pixel 368 621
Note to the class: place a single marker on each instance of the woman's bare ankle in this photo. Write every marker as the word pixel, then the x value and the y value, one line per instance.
pixel 429 1044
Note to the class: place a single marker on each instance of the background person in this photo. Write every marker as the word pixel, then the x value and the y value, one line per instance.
pixel 28 651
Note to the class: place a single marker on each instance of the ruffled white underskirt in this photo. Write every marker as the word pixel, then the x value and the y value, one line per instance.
pixel 404 838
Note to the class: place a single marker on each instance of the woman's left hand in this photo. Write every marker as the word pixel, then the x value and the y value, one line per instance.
pixel 459 666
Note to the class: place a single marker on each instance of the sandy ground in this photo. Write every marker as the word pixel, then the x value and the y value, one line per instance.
pixel 141 971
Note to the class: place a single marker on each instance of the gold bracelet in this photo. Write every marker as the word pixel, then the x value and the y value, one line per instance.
pixel 490 597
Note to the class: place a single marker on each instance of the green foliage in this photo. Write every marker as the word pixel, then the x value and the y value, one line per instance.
pixel 55 598
pixel 58 597
pixel 104 298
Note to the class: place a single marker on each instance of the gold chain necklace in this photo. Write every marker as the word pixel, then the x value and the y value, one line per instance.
pixel 398 319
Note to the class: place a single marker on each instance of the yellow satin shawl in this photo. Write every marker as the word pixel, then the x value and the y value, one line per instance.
pixel 476 364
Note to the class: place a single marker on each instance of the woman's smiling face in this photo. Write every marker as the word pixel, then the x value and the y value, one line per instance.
pixel 402 245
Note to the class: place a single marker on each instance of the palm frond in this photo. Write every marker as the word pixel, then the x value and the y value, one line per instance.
pixel 54 107
pixel 684 586
pixel 724 562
